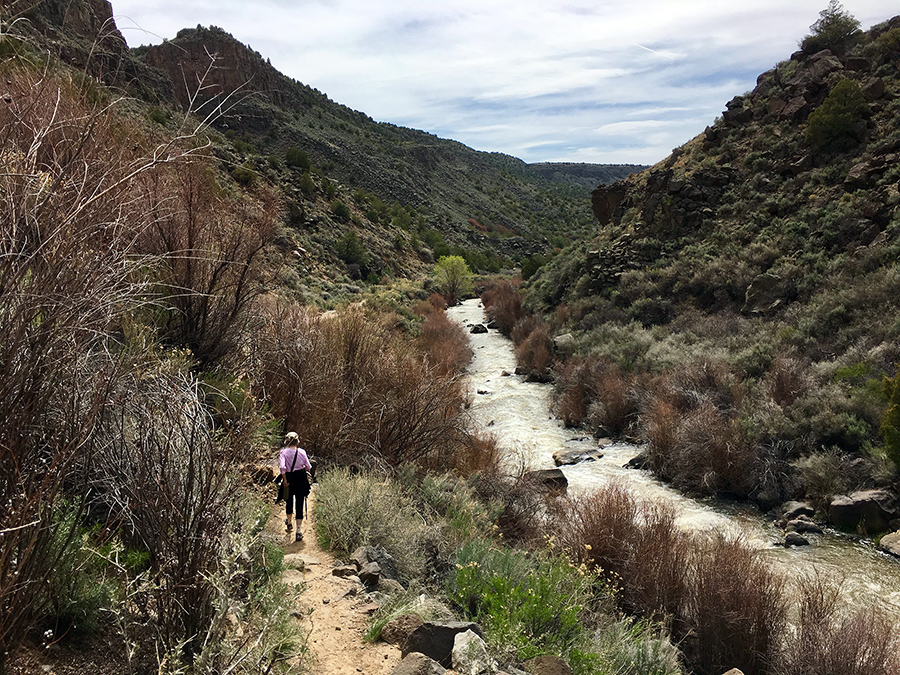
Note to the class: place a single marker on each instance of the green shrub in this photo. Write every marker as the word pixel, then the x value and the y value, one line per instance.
pixel 297 158
pixel 307 185
pixel 367 510
pixel 529 605
pixel 890 422
pixel 340 210
pixel 839 122
pixel 244 174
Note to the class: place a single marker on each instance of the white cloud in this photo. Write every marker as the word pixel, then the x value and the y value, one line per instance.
pixel 535 78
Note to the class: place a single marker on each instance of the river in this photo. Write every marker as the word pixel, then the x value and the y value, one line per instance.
pixel 518 414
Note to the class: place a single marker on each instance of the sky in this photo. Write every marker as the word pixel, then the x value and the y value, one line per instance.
pixel 604 81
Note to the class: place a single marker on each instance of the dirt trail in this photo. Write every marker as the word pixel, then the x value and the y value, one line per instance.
pixel 340 608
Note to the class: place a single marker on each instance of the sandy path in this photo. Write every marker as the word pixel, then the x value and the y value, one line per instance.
pixel 340 608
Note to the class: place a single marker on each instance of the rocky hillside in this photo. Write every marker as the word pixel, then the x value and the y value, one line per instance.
pixel 793 186
pixel 468 196
pixel 755 272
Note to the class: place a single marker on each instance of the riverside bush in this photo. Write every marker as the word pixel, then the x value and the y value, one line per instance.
pixel 725 606
pixel 503 304
pixel 355 388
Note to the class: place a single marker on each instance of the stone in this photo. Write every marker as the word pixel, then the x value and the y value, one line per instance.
pixel 803 525
pixel 478 328
pixel 864 511
pixel 470 655
pixel 565 457
pixel 734 671
pixel 418 664
pixel 368 554
pixel 344 571
pixel 389 586
pixel 549 479
pixel 370 574
pixel 795 539
pixel 435 639
pixel 397 631
pixel 637 462
pixel 794 509
pixel 294 561
pixel 890 543
pixel 873 89
pixel 565 343
pixel 764 294
pixel 547 665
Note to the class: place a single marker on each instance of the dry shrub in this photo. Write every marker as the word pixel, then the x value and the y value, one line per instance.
pixel 354 387
pixel 163 473
pixel 522 506
pixel 67 276
pixel 735 613
pixel 444 342
pixel 787 380
pixel 535 356
pixel 212 246
pixel 828 641
pixel 596 392
pixel 525 327
pixel 479 455
pixel 635 543
pixel 695 438
pixel 503 303
pixel 723 604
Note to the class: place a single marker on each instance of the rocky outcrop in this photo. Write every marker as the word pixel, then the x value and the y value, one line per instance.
pixel 470 655
pixel 418 664
pixel 867 511
pixel 210 64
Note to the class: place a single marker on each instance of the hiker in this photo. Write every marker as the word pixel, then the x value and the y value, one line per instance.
pixel 294 465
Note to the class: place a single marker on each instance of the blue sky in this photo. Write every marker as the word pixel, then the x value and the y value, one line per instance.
pixel 551 80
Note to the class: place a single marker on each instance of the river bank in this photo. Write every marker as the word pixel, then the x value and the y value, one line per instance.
pixel 518 414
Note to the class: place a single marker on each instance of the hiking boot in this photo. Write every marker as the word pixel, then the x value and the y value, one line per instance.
pixel 299 536
pixel 288 524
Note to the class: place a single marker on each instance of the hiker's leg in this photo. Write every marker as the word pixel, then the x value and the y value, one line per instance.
pixel 288 505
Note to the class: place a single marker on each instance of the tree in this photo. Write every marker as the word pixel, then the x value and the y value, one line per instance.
pixel 452 276
pixel 833 29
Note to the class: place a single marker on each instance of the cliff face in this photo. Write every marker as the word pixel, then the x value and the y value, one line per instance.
pixel 79 30
pixel 211 64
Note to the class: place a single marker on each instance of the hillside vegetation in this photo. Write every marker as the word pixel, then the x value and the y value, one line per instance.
pixel 739 308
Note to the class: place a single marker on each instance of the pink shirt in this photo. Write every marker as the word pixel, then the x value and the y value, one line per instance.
pixel 286 459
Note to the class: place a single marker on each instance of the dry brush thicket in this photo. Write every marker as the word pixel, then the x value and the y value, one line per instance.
pixel 144 358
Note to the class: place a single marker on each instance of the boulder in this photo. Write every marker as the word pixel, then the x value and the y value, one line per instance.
pixel 734 671
pixel 793 509
pixel 418 664
pixel 294 561
pixel 549 479
pixel 370 574
pixel 397 631
pixel 565 343
pixel 865 511
pixel 377 554
pixel 547 665
pixel 795 539
pixel 436 640
pixel 765 293
pixel 470 655
pixel 890 543
pixel 344 571
pixel 637 462
pixel 803 525
pixel 565 457
pixel 478 328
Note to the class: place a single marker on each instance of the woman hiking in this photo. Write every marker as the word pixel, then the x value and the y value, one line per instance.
pixel 294 465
